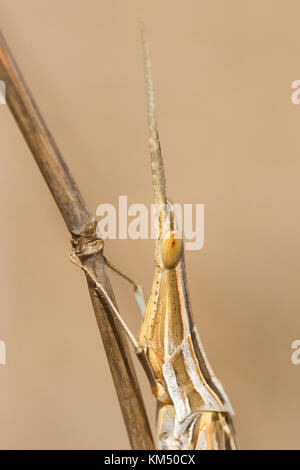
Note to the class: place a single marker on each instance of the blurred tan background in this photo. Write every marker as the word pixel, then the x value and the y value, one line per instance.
pixel 230 139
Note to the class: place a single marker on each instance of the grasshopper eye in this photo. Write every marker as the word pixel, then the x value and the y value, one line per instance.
pixel 171 250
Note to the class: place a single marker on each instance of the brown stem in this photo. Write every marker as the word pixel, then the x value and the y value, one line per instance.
pixel 82 226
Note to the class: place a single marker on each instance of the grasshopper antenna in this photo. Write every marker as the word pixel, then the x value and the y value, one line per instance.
pixel 158 173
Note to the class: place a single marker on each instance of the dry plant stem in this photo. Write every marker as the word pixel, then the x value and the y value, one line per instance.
pixel 81 224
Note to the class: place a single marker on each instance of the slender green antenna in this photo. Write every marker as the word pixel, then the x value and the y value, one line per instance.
pixel 158 173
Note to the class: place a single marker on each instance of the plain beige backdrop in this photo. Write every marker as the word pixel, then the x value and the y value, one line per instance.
pixel 230 139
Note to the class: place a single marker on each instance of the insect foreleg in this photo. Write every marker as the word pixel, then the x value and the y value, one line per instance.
pixel 101 291
pixel 138 290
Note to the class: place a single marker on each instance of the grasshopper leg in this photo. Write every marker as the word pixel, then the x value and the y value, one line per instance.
pixel 138 290
pixel 100 289
pixel 102 292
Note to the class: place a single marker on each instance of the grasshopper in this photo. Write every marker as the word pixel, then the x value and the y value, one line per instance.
pixel 193 411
